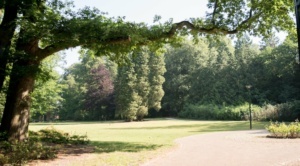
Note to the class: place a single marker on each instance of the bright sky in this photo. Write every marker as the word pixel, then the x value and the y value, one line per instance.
pixel 142 11
pixel 145 10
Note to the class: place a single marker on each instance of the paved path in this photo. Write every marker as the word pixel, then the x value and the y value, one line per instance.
pixel 238 148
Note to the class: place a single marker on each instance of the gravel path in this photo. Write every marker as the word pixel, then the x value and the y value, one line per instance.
pixel 237 148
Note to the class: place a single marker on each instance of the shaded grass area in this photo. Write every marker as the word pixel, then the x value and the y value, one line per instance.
pixel 120 143
pixel 109 147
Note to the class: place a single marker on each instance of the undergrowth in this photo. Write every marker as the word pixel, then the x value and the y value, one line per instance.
pixel 282 130
pixel 42 145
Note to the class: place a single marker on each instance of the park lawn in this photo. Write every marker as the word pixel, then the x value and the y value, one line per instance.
pixel 124 143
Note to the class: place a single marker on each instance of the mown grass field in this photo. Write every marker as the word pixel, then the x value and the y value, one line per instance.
pixel 123 143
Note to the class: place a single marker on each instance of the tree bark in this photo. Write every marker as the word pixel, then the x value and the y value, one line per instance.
pixel 15 118
pixel 7 29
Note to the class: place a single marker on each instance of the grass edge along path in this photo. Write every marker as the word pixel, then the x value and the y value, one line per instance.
pixel 122 143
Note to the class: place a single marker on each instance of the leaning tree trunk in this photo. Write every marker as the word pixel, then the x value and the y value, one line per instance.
pixel 15 118
pixel 7 29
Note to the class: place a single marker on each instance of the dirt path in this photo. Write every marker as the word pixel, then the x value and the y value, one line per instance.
pixel 232 149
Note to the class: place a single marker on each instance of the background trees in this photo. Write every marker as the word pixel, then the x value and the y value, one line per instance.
pixel 88 89
pixel 46 97
pixel 180 64
pixel 211 72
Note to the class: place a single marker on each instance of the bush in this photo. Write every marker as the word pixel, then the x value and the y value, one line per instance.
pixel 214 112
pixel 22 152
pixel 202 112
pixel 43 144
pixel 282 112
pixel 244 113
pixel 281 130
pixel 51 135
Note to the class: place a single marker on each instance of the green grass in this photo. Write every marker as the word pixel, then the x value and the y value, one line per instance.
pixel 122 143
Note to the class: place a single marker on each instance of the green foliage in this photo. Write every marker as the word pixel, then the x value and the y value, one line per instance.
pixel 126 97
pixel 282 130
pixel 46 95
pixel 181 63
pixel 142 84
pixel 2 103
pixel 51 135
pixel 204 73
pixel 156 79
pixel 21 152
pixel 82 93
pixel 215 112
pixel 3 96
pixel 213 72
pixel 282 112
pixel 139 85
pixel 230 13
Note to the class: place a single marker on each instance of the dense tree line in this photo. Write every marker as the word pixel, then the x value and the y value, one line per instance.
pixel 217 72
pixel 98 89
pixel 211 72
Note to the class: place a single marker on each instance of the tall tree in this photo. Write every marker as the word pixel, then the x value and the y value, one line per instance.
pixel 77 81
pixel 73 99
pixel 99 93
pixel 156 79
pixel 143 81
pixel 180 64
pixel 127 99
pixel 142 86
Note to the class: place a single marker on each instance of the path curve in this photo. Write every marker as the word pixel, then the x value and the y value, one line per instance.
pixel 235 148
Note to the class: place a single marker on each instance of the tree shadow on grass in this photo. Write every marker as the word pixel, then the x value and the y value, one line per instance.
pixel 106 147
pixel 109 147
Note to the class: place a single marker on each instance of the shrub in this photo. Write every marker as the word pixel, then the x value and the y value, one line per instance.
pixel 282 112
pixel 244 113
pixel 202 112
pixel 214 112
pixel 20 153
pixel 52 135
pixel 43 144
pixel 271 112
pixel 281 130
